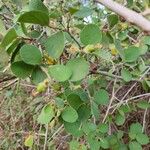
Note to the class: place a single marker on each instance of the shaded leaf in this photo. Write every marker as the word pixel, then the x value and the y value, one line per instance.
pixel 90 34
pixel 79 68
pixel 55 45
pixel 30 54
pixel 60 73
pixel 69 115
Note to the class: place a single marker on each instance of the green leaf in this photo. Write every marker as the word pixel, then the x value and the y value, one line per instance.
pixel 136 128
pixel 103 128
pixel 74 100
pixel 95 110
pixel 101 97
pixel 74 145
pixel 30 54
pixel 90 35
pixel 146 40
pixel 69 115
pixel 79 68
pixel 112 20
pixel 143 105
pixel 135 146
pixel 46 114
pixel 55 45
pixel 59 102
pixel 126 75
pixel 104 54
pixel 83 12
pixel 38 75
pixel 88 127
pixel 21 70
pixel 29 141
pixel 38 6
pixel 120 134
pixel 34 17
pixel 11 48
pixel 84 112
pixel 73 128
pixel 143 139
pixel 119 119
pixel 9 37
pixel 60 73
pixel 104 143
pixel 131 54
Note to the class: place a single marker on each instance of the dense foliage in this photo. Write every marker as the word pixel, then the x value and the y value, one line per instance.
pixel 90 67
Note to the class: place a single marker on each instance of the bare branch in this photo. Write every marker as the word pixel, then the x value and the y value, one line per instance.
pixel 146 12
pixel 130 15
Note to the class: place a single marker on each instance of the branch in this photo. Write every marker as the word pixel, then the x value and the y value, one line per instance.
pixel 130 15
pixel 146 12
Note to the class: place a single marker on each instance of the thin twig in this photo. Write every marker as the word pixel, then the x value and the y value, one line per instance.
pixel 111 100
pixel 46 134
pixel 144 118
pixel 121 101
pixel 132 98
pixel 56 132
pixel 9 84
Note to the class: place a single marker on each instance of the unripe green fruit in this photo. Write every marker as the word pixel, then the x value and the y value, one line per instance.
pixel 41 87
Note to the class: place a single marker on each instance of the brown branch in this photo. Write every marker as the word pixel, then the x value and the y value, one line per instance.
pixel 130 15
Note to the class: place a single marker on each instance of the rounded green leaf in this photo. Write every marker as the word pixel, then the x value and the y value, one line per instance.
pixel 69 114
pixel 38 75
pixel 84 112
pixel 55 45
pixel 112 20
pixel 35 17
pixel 126 75
pixel 21 69
pixel 46 114
pixel 74 100
pixel 30 54
pixel 9 37
pixel 135 146
pixel 79 68
pixel 103 128
pixel 136 128
pixel 95 110
pixel 143 139
pixel 104 143
pixel 143 104
pixel 90 34
pixel 88 127
pixel 60 73
pixel 73 128
pixel 83 12
pixel 101 97
pixel 119 119
pixel 38 6
pixel 131 54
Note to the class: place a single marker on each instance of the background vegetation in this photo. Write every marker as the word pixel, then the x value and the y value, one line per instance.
pixel 74 75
